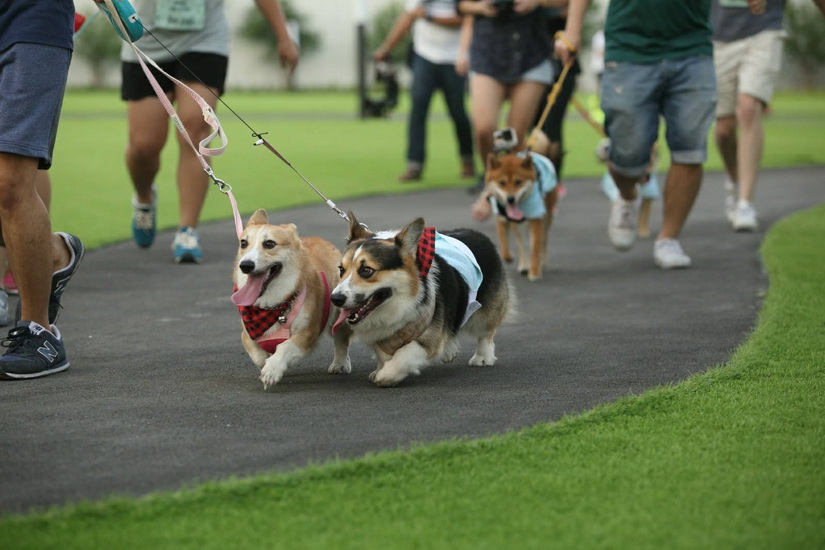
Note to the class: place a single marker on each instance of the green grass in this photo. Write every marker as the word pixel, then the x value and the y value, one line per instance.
pixel 728 459
pixel 319 133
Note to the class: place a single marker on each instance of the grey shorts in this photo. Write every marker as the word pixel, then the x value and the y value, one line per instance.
pixel 32 84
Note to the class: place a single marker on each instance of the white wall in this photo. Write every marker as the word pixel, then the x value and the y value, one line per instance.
pixel 334 65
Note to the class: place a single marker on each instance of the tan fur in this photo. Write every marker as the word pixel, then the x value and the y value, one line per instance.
pixel 303 259
pixel 510 176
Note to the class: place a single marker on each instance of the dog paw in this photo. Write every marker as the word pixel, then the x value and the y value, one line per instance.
pixel 270 377
pixel 482 360
pixel 386 378
pixel 340 367
pixel 534 276
pixel 449 357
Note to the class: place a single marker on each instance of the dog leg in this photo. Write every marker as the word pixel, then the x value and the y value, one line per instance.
pixel 551 199
pixel 523 262
pixel 254 351
pixel 340 361
pixel 536 248
pixel 503 232
pixel 286 355
pixel 450 351
pixel 485 351
pixel 409 359
pixel 644 219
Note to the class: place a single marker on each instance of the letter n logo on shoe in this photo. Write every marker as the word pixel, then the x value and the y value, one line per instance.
pixel 48 351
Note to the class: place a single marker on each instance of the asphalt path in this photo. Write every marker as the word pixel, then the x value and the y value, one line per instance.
pixel 161 394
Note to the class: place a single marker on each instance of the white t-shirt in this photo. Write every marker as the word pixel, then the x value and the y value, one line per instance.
pixel 435 43
pixel 597 53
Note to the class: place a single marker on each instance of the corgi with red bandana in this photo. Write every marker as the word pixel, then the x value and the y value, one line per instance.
pixel 282 290
pixel 409 293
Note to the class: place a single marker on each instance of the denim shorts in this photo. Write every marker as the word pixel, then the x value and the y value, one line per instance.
pixel 32 83
pixel 683 91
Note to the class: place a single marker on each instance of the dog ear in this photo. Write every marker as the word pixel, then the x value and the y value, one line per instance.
pixel 408 237
pixel 492 161
pixel 356 230
pixel 527 163
pixel 258 218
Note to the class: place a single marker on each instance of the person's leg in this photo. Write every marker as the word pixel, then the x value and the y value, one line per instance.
pixel 525 97
pixel 486 98
pixel 148 130
pixel 455 87
pixel 749 146
pixel 725 135
pixel 681 188
pixel 421 93
pixel 27 235
pixel 193 182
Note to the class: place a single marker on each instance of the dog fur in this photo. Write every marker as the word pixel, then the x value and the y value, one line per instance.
pixel 510 178
pixel 382 295
pixel 272 264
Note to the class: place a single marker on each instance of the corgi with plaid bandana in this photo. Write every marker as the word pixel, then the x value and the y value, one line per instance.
pixel 282 290
pixel 409 293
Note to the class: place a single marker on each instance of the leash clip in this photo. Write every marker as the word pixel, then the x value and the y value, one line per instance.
pixel 223 187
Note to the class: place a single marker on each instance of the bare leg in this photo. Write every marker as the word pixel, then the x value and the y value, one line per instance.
pixel 749 112
pixel 725 134
pixel 148 130
pixel 681 189
pixel 486 98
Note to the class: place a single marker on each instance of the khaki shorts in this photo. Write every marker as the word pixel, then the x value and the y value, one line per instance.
pixel 748 66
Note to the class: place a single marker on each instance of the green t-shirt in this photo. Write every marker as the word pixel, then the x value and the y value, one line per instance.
pixel 647 31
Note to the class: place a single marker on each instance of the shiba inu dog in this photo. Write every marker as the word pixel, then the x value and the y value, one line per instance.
pixel 408 293
pixel 282 290
pixel 523 187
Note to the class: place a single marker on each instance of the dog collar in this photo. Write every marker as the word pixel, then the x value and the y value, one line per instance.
pixel 426 251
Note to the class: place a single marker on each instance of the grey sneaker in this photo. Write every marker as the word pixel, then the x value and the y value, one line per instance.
pixel 668 254
pixel 744 217
pixel 4 308
pixel 621 227
pixel 32 352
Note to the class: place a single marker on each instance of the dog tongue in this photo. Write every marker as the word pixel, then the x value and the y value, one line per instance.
pixel 340 320
pixel 250 292
pixel 514 212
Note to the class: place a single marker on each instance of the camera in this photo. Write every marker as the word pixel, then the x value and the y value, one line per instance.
pixel 504 140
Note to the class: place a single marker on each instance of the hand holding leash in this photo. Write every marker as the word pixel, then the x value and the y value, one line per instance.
pixel 566 46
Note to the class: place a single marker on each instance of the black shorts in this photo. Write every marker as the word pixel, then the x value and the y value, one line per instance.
pixel 209 68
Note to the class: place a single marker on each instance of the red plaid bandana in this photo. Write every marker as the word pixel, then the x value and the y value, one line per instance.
pixel 426 250
pixel 257 320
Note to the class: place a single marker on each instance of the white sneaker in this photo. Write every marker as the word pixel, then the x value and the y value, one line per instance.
pixel 731 195
pixel 621 227
pixel 744 217
pixel 668 254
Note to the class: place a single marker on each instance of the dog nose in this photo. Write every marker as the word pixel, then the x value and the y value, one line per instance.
pixel 247 267
pixel 511 200
pixel 338 299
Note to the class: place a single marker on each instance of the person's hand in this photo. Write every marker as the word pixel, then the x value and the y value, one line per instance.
pixel 381 54
pixel 566 46
pixel 288 54
pixel 525 6
pixel 462 66
pixel 481 209
pixel 757 6
pixel 486 8
pixel 420 12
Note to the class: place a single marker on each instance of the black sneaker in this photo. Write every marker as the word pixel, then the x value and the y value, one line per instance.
pixel 61 278
pixel 32 352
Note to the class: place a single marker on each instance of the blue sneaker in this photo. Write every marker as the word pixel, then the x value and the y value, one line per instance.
pixel 32 352
pixel 62 277
pixel 143 221
pixel 187 246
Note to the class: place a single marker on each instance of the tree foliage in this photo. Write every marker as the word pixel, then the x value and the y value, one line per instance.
pixel 99 45
pixel 805 27
pixel 256 29
pixel 381 25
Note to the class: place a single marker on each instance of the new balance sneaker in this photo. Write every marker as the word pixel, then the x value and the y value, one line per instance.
pixel 143 221
pixel 4 308
pixel 187 246
pixel 621 227
pixel 61 277
pixel 744 217
pixel 731 196
pixel 668 254
pixel 32 352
